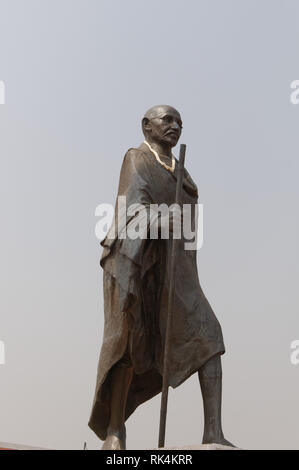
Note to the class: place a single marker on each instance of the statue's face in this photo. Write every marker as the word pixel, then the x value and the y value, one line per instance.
pixel 164 126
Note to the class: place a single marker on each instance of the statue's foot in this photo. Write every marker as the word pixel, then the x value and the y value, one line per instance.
pixel 113 443
pixel 115 440
pixel 214 439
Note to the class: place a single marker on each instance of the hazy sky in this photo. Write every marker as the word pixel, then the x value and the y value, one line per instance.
pixel 79 75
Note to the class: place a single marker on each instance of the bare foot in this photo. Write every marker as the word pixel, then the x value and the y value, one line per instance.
pixel 212 439
pixel 115 440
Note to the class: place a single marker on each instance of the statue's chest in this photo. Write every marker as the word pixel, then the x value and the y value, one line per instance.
pixel 164 188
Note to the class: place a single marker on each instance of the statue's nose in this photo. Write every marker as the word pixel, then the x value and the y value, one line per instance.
pixel 175 126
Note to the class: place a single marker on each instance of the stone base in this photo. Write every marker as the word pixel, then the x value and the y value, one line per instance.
pixel 201 447
pixel 9 446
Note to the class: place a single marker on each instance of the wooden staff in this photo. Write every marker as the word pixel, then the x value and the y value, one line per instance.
pixel 164 398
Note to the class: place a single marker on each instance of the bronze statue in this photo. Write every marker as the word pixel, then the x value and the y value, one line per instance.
pixel 136 281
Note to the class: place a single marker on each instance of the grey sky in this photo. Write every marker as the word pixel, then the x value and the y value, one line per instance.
pixel 79 75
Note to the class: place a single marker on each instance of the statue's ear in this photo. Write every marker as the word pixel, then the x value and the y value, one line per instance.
pixel 146 126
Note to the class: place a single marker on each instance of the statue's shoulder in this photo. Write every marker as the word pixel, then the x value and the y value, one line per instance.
pixel 137 152
pixel 136 157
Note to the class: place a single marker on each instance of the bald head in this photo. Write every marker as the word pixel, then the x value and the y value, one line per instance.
pixel 162 124
pixel 159 111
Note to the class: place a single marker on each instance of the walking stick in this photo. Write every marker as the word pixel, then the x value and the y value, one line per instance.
pixel 164 399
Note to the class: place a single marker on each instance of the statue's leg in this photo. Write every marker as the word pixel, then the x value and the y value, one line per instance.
pixel 120 380
pixel 210 378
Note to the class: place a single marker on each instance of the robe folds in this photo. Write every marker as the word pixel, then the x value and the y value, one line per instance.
pixel 135 285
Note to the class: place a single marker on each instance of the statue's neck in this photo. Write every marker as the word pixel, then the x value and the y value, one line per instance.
pixel 162 149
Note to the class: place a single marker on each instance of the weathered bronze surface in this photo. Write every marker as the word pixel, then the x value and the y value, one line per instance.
pixel 136 282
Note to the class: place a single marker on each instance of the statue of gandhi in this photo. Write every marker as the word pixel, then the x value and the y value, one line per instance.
pixel 135 285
